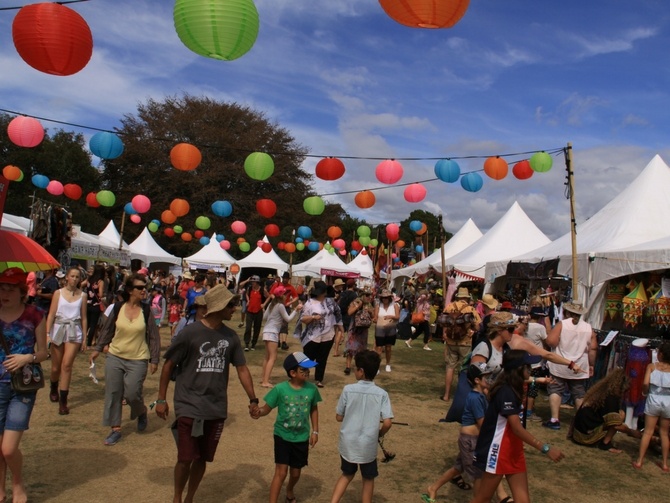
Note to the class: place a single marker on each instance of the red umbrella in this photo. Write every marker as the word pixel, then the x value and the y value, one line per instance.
pixel 20 251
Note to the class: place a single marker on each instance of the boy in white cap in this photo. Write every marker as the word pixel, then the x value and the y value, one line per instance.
pixel 296 401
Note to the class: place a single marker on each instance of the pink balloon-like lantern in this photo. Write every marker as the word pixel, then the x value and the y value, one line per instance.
pixel 392 232
pixel 225 244
pixel 338 244
pixel 25 131
pixel 141 203
pixel 389 171
pixel 415 193
pixel 238 227
pixel 55 188
pixel 136 219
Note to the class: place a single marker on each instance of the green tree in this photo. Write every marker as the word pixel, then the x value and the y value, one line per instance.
pixel 61 156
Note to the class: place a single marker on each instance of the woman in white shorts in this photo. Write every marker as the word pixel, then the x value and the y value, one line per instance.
pixel 273 317
pixel 66 326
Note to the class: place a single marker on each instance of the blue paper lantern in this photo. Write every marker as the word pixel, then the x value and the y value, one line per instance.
pixel 472 182
pixel 298 240
pixel 415 226
pixel 222 208
pixel 220 237
pixel 313 246
pixel 40 181
pixel 128 208
pixel 353 253
pixel 304 232
pixel 419 249
pixel 156 221
pixel 106 145
pixel 447 170
pixel 204 241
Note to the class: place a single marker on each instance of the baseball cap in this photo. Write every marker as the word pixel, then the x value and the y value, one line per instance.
pixel 298 359
pixel 477 370
pixel 13 276
pixel 514 359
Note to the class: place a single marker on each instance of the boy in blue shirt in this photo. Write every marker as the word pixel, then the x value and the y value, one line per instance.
pixel 473 417
pixel 296 401
pixel 360 408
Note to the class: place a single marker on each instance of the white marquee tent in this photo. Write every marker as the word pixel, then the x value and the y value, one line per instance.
pixel 467 235
pixel 324 263
pixel 362 263
pixel 258 258
pixel 144 248
pixel 210 255
pixel 513 234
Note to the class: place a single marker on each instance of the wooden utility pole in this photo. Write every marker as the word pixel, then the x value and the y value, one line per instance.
pixel 573 221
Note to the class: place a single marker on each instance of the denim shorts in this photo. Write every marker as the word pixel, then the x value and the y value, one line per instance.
pixel 15 408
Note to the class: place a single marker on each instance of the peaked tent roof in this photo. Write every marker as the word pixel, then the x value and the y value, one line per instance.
pixel 322 260
pixel 258 258
pixel 111 235
pixel 467 235
pixel 637 215
pixel 513 234
pixel 147 250
pixel 7 224
pixel 362 263
pixel 211 254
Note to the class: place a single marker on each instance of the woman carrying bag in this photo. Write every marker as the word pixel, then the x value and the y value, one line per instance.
pixel 24 343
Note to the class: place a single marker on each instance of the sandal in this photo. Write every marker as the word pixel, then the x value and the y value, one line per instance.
pixel 427 499
pixel 460 483
pixel 290 500
pixel 506 499
pixel 637 466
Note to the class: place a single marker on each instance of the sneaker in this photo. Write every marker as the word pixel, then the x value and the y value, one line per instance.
pixel 388 368
pixel 142 422
pixel 408 344
pixel 426 348
pixel 246 348
pixel 252 348
pixel 347 371
pixel 552 425
pixel 531 416
pixel 240 325
pixel 113 438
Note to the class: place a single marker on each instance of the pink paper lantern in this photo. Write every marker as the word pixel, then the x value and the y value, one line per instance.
pixel 343 252
pixel 135 219
pixel 415 193
pixel 389 171
pixel 140 203
pixel 338 244
pixel 25 131
pixel 238 227
pixel 225 244
pixel 259 243
pixel 55 188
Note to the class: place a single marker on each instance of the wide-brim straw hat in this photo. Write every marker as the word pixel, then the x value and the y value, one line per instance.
pixel 489 301
pixel 462 293
pixel 385 293
pixel 574 307
pixel 218 298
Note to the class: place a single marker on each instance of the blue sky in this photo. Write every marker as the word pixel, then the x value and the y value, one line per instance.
pixel 346 80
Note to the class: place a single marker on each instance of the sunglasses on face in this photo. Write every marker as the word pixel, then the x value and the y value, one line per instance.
pixel 140 287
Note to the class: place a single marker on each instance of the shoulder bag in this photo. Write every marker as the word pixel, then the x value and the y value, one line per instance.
pixel 29 379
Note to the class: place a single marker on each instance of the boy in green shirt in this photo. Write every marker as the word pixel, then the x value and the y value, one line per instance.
pixel 296 401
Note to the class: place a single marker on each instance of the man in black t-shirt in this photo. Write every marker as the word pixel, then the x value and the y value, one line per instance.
pixel 46 290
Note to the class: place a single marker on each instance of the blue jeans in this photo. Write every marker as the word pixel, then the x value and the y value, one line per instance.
pixel 15 408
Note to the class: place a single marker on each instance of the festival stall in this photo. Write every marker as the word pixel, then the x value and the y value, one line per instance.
pixel 210 256
pixel 144 248
pixel 260 259
pixel 362 263
pixel 324 264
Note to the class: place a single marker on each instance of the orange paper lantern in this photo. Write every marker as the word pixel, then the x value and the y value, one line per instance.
pixel 334 232
pixel 186 236
pixel 179 207
pixel 496 168
pixel 167 217
pixel 52 38
pixel 185 157
pixel 11 173
pixel 425 13
pixel 234 269
pixel 290 248
pixel 365 199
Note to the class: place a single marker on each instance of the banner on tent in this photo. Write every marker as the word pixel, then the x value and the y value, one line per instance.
pixel 338 274
pixel 541 270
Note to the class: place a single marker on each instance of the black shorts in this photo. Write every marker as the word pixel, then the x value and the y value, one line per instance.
pixel 368 470
pixel 385 336
pixel 293 454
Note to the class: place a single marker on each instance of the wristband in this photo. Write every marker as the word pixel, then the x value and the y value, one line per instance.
pixel 155 402
pixel 545 448
pixel 571 365
pixel 315 432
pixel 254 400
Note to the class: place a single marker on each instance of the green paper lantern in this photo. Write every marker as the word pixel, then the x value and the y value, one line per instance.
pixel 363 231
pixel 178 229
pixel 374 242
pixel 259 166
pixel 300 246
pixel 245 247
pixel 541 162
pixel 218 29
pixel 152 227
pixel 364 240
pixel 313 205
pixel 203 223
pixel 106 198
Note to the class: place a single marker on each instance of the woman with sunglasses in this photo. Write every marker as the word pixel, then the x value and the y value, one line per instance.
pixel 23 328
pixel 132 343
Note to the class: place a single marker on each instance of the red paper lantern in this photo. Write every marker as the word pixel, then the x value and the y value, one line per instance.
pixel 198 234
pixel 141 203
pixel 72 191
pixel 272 230
pixel 11 173
pixel 179 207
pixel 185 157
pixel 25 131
pixel 365 199
pixel 355 245
pixel 281 245
pixel 496 168
pixel 522 170
pixel 290 248
pixel 426 13
pixel 266 247
pixel 168 232
pixel 92 200
pixel 266 208
pixel 136 219
pixel 52 38
pixel 389 171
pixel 330 168
pixel 238 227
pixel 415 193
pixel 167 217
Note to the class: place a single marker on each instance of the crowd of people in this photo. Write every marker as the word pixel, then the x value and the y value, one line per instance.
pixel 499 355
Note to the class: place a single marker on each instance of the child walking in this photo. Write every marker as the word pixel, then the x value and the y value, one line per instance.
pixel 360 408
pixel 296 401
pixel 499 450
pixel 473 417
pixel 174 313
pixel 656 386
